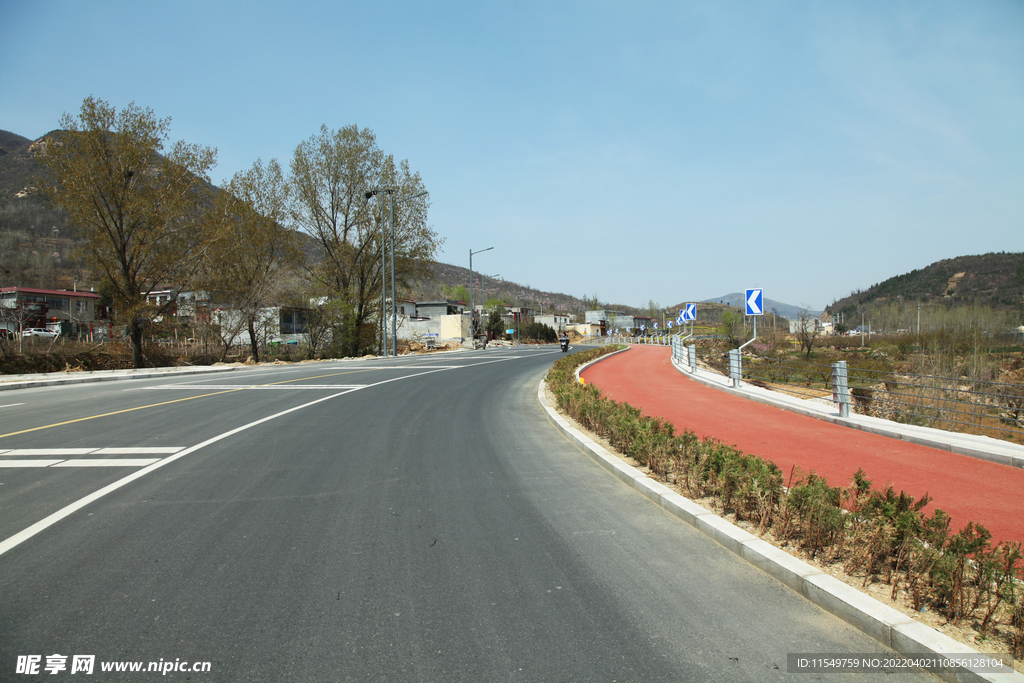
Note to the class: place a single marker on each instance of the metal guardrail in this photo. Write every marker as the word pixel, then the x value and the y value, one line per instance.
pixel 956 404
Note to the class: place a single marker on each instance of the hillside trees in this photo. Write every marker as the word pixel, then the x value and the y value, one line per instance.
pixel 251 249
pixel 331 174
pixel 140 210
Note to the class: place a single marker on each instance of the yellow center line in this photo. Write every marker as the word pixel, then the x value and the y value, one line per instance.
pixel 177 400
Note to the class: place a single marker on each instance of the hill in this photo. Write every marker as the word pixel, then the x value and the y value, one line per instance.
pixel 447 278
pixel 995 280
pixel 10 142
pixel 36 244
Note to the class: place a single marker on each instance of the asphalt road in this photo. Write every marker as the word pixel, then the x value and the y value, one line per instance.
pixel 413 519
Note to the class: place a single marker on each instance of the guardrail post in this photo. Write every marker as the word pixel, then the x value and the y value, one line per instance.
pixel 691 352
pixel 841 388
pixel 735 367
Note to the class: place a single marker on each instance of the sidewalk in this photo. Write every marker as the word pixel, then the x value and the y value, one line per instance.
pixel 972 478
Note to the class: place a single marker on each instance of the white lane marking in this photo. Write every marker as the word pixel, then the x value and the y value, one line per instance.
pixel 249 387
pixel 140 450
pixel 11 405
pixel 106 462
pixel 43 524
pixel 28 463
pixel 50 451
pixel 135 450
pixel 408 367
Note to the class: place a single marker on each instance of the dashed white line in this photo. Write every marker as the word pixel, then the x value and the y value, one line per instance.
pixel 49 451
pixel 107 462
pixel 95 450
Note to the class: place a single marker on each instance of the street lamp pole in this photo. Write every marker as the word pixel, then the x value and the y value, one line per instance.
pixel 472 337
pixel 390 191
pixel 394 317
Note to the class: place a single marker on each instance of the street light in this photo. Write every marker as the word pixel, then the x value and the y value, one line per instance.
pixel 390 191
pixel 472 337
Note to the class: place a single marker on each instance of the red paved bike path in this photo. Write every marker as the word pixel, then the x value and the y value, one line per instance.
pixel 967 488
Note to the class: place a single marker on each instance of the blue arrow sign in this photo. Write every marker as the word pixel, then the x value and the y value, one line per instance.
pixel 755 302
pixel 690 312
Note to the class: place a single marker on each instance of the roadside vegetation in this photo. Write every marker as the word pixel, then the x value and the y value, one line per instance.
pixel 877 537
pixel 145 219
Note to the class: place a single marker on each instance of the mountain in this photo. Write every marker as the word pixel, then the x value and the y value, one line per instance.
pixel 736 299
pixel 17 165
pixel 35 241
pixel 10 142
pixel 446 278
pixel 995 280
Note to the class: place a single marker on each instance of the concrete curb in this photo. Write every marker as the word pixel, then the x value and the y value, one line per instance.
pixel 1003 453
pixel 107 376
pixel 9 382
pixel 883 623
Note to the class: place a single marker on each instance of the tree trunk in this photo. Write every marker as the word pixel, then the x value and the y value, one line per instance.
pixel 253 341
pixel 135 334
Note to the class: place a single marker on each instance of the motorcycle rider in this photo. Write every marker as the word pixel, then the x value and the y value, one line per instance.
pixel 564 341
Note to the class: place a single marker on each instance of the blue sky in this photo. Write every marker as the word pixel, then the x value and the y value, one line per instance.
pixel 674 151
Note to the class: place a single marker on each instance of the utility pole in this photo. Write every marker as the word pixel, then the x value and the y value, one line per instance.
pixel 390 191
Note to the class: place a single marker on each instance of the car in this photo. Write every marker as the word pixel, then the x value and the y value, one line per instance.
pixel 39 332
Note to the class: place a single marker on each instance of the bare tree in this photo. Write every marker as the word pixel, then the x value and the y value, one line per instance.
pixel 331 174
pixel 140 211
pixel 807 332
pixel 252 248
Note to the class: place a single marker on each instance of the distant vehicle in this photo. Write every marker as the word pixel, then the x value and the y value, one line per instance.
pixel 39 332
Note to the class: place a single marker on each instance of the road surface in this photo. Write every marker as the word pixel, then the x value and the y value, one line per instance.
pixel 412 519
